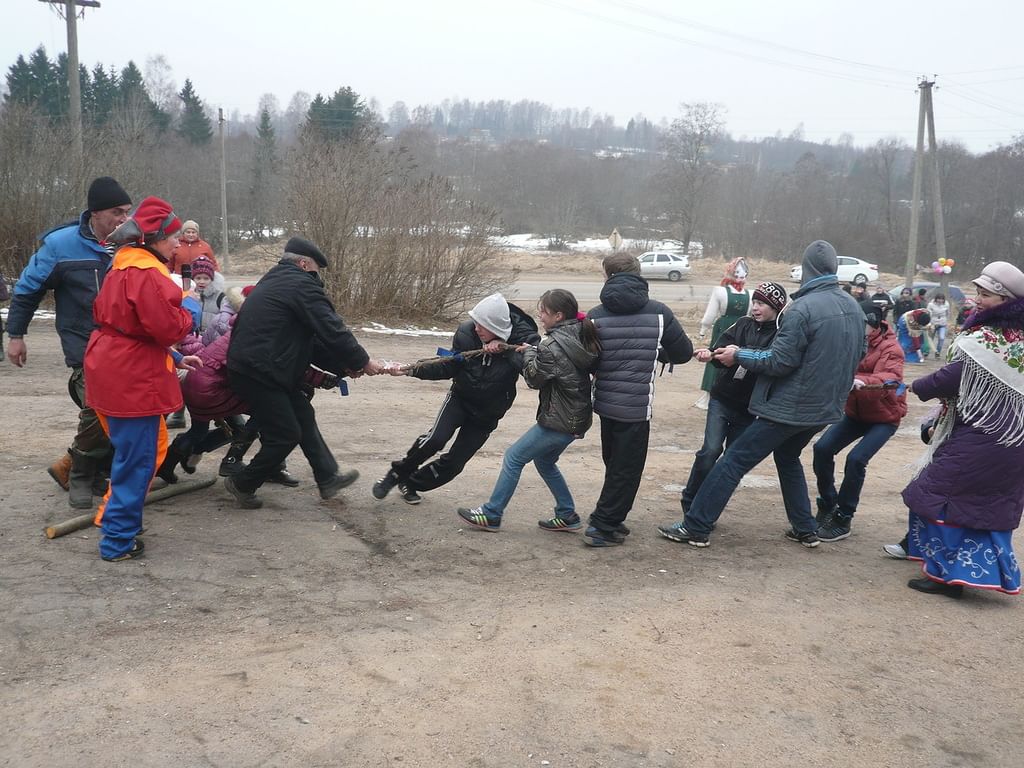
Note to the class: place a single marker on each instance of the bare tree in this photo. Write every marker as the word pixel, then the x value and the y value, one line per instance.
pixel 689 170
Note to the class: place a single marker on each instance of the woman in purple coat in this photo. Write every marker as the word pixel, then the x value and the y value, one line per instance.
pixel 967 501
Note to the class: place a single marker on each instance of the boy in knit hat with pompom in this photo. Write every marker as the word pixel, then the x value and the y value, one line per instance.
pixel 727 408
pixel 483 388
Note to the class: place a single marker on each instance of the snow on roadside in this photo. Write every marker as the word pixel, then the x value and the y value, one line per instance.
pixel 40 314
pixel 409 331
pixel 533 243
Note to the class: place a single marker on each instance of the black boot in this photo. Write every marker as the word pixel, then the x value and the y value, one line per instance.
pixel 232 463
pixel 80 480
pixel 171 460
pixel 836 528
pixel 281 476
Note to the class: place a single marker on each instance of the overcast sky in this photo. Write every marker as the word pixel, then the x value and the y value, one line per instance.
pixel 832 67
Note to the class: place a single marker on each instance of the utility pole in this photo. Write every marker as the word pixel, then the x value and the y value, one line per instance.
pixel 223 194
pixel 70 14
pixel 940 230
pixel 924 89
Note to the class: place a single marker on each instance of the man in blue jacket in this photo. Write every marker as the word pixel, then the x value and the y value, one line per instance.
pixel 803 381
pixel 72 262
pixel 636 333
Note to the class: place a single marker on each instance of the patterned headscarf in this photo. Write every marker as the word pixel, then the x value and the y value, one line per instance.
pixel 736 273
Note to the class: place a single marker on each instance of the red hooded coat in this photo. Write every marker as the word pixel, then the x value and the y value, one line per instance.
pixel 128 369
pixel 881 363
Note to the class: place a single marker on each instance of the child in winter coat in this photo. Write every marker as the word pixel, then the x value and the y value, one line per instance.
pixel 910 330
pixel 483 388
pixel 209 286
pixel 727 407
pixel 560 368
pixel 873 412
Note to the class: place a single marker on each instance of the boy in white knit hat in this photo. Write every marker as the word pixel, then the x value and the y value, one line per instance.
pixel 483 388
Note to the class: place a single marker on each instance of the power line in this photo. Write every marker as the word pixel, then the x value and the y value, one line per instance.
pixel 719 49
pixel 746 38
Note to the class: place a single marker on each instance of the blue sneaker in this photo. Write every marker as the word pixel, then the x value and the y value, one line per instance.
pixel 677 532
pixel 595 537
pixel 480 519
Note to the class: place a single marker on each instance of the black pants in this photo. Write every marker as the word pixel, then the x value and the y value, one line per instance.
pixel 285 419
pixel 624 450
pixel 472 435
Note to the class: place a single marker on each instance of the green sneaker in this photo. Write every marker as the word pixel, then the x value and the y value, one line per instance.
pixel 561 523
pixel 480 519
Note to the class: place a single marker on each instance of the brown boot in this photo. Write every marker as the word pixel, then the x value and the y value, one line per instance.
pixel 60 470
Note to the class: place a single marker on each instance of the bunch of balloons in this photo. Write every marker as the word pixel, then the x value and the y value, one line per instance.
pixel 943 266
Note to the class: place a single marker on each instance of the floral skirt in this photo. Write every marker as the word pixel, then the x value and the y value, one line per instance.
pixel 967 556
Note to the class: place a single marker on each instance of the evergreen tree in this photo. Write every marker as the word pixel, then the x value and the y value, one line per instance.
pixel 195 126
pixel 339 118
pixel 103 96
pixel 132 93
pixel 264 172
pixel 20 83
pixel 44 83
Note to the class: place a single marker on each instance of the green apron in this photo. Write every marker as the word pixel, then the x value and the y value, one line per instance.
pixel 737 306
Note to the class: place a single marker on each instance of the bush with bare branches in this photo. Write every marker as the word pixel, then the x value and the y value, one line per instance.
pixel 398 243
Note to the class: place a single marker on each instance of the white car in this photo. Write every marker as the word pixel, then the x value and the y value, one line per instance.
pixel 850 271
pixel 664 265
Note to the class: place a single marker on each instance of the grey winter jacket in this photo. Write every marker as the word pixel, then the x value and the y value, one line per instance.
pixel 560 368
pixel 635 333
pixel 805 376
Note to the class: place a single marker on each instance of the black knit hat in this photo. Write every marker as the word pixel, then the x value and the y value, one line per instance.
pixel 299 246
pixel 873 313
pixel 106 193
pixel 772 294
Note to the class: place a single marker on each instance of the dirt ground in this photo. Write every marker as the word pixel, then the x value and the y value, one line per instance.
pixel 363 633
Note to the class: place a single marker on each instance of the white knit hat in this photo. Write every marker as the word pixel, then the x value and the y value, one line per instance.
pixel 492 313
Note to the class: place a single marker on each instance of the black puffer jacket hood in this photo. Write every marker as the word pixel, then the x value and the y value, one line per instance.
pixel 625 293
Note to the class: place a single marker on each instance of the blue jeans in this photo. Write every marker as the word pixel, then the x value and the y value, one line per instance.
pixel 940 338
pixel 761 438
pixel 724 424
pixel 872 437
pixel 542 446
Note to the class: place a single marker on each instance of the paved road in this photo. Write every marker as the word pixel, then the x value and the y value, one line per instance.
pixel 586 290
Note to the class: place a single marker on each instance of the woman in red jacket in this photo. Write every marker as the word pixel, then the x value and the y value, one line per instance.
pixel 876 404
pixel 189 248
pixel 130 370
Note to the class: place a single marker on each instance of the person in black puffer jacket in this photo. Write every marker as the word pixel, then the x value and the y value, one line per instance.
pixel 483 389
pixel 730 397
pixel 560 368
pixel 636 333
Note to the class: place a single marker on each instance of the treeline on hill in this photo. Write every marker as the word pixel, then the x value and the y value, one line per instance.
pixel 404 202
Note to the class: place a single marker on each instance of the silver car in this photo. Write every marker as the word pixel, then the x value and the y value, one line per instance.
pixel 662 265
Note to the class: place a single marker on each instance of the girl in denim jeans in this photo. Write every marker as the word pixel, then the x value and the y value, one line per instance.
pixel 560 368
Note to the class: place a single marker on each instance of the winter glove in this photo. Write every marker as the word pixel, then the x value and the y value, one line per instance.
pixel 314 377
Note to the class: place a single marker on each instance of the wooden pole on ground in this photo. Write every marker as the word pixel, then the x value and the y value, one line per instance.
pixel 153 497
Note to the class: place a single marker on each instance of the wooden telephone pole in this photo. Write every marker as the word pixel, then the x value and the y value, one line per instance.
pixel 925 117
pixel 68 9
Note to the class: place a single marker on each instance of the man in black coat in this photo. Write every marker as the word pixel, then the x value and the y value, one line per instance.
pixel 286 323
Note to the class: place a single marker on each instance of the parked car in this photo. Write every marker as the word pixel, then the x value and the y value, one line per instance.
pixel 850 271
pixel 953 294
pixel 664 265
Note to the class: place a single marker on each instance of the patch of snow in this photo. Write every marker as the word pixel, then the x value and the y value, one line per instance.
pixel 534 243
pixel 408 331
pixel 40 314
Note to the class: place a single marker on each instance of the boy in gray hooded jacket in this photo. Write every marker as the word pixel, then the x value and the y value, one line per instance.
pixel 803 381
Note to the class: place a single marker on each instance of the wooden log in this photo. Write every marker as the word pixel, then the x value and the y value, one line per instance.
pixel 153 497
